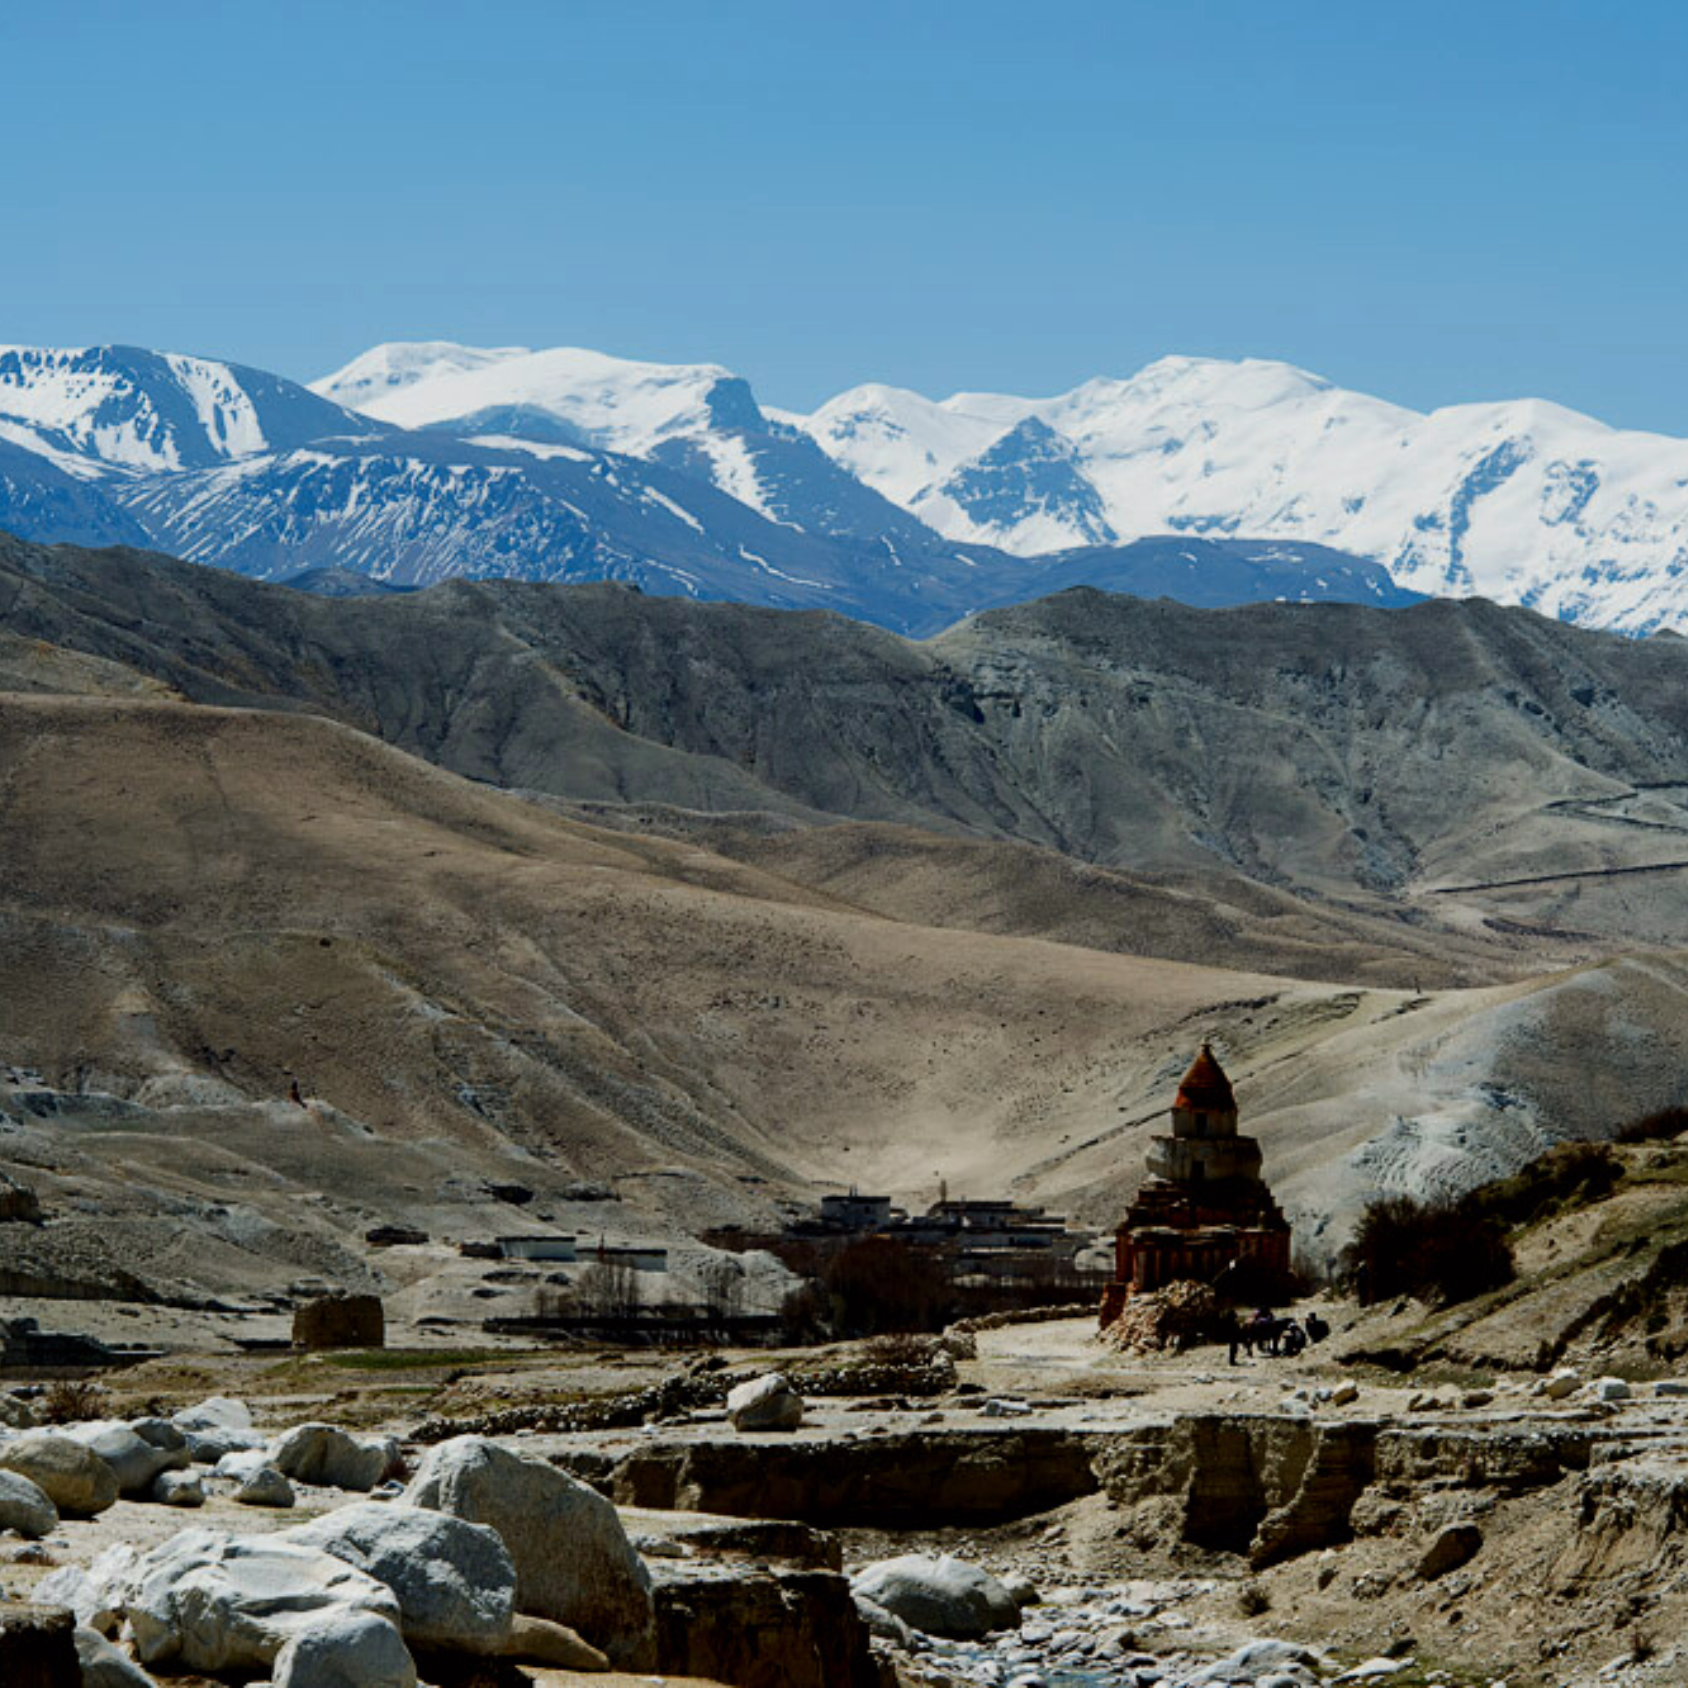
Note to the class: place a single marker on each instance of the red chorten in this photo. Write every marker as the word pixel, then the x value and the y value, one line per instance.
pixel 1204 1208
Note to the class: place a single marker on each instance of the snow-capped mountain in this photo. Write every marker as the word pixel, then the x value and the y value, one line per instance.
pixel 383 370
pixel 1524 502
pixel 102 408
pixel 699 418
pixel 566 465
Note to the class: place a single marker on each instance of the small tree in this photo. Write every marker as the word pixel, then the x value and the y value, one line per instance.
pixel 608 1289
pixel 722 1280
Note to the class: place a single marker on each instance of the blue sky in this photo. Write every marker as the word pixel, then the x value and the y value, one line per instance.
pixel 1432 202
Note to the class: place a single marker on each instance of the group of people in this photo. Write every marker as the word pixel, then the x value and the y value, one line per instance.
pixel 1269 1334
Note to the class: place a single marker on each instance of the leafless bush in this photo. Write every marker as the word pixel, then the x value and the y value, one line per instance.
pixel 73 1401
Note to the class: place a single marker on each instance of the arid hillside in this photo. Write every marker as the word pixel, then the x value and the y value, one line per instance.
pixel 198 904
pixel 1456 765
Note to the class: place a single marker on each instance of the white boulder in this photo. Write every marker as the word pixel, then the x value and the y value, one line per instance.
pixel 765 1403
pixel 574 1564
pixel 106 1666
pixel 265 1486
pixel 1612 1389
pixel 217 1602
pixel 70 1473
pixel 135 1460
pixel 345 1650
pixel 218 1412
pixel 941 1596
pixel 25 1507
pixel 454 1581
pixel 320 1453
pixel 96 1595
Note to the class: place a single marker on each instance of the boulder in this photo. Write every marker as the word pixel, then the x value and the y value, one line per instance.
pixel 107 1666
pixel 216 1412
pixel 15 1413
pixel 265 1486
pixel 345 1650
pixel 217 1602
pixel 135 1460
pixel 454 1581
pixel 161 1432
pixel 178 1488
pixel 1669 1386
pixel 37 1648
pixel 25 1507
pixel 573 1561
pixel 207 1447
pixel 538 1641
pixel 765 1403
pixel 97 1595
pixel 942 1596
pixel 1612 1389
pixel 319 1453
pixel 68 1472
pixel 340 1321
pixel 1562 1385
pixel 18 1203
pixel 1021 1590
pixel 1255 1661
pixel 886 1626
pixel 1453 1547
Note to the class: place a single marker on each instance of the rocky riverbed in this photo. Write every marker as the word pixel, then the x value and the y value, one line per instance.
pixel 1083 1518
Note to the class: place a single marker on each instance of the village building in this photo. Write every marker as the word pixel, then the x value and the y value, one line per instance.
pixel 1204 1212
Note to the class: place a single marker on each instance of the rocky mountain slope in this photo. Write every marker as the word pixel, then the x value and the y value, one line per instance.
pixel 838 968
pixel 1425 759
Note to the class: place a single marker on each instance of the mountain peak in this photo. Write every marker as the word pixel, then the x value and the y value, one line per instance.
pixel 397 364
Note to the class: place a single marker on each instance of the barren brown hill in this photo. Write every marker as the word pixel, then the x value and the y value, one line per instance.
pixel 1456 766
pixel 196 903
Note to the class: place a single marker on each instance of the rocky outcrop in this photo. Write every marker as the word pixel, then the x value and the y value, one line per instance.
pixel 893 1481
pixel 759 1628
pixel 38 1648
pixel 1268 1486
pixel 573 1562
pixel 1452 1547
pixel 1510 1459
pixel 107 1666
pixel 18 1203
pixel 1631 1517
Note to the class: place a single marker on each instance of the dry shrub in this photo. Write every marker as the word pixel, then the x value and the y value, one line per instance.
pixel 73 1400
pixel 1431 1251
